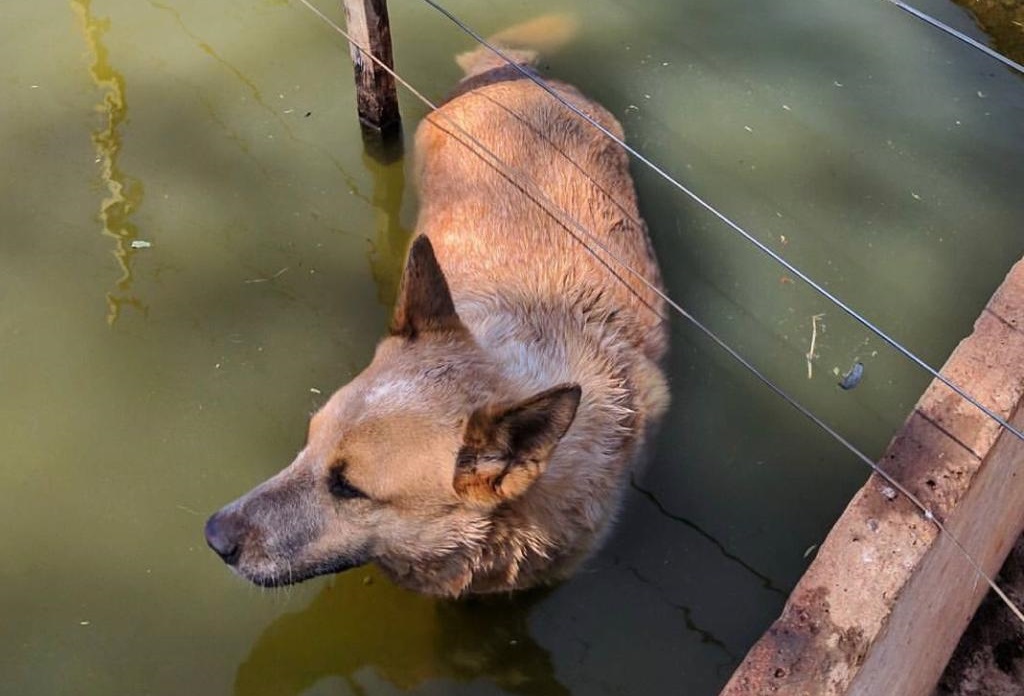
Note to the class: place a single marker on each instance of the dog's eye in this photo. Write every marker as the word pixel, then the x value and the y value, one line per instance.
pixel 340 487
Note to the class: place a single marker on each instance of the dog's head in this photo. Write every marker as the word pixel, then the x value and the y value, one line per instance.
pixel 406 464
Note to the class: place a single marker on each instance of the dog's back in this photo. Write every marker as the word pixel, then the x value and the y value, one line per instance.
pixel 491 235
pixel 529 289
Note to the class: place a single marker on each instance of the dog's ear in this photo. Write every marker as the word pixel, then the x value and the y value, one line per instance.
pixel 506 448
pixel 424 300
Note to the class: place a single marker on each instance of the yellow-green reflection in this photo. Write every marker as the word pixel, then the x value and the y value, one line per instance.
pixel 405 638
pixel 125 193
pixel 392 238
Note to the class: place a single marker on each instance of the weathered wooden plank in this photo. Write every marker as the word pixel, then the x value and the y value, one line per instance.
pixel 376 96
pixel 884 603
pixel 942 595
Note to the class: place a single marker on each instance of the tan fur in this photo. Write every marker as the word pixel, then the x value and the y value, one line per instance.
pixel 493 432
pixel 523 41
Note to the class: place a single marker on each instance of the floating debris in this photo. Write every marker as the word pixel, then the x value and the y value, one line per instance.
pixel 814 338
pixel 140 244
pixel 852 378
pixel 267 280
pixel 810 549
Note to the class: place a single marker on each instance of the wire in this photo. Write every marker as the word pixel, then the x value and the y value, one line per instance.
pixel 928 19
pixel 569 223
pixel 906 352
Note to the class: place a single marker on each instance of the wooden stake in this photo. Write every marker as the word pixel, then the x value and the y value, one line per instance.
pixel 376 96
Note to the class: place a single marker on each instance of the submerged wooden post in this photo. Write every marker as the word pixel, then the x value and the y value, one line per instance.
pixel 376 96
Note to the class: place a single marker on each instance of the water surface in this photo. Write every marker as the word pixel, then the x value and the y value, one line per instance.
pixel 143 385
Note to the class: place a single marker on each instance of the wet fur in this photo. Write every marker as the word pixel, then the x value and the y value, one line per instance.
pixel 491 438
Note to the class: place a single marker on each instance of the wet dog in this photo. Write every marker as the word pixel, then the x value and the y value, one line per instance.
pixel 487 446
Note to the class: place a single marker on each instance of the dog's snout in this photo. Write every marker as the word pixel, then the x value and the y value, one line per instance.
pixel 224 536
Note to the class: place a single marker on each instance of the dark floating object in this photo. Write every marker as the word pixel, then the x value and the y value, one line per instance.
pixel 852 378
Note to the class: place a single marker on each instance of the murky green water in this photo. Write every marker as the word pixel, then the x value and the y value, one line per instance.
pixel 141 388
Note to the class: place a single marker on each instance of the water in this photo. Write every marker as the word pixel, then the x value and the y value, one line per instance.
pixel 141 388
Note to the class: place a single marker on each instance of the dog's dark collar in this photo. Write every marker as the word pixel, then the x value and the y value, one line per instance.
pixel 505 73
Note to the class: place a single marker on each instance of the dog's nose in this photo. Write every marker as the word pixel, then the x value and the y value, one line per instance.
pixel 224 537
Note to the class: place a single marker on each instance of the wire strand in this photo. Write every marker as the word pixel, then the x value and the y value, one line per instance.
pixel 821 290
pixel 525 184
pixel 928 19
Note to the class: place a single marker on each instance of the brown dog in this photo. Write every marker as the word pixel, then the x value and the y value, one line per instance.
pixel 487 445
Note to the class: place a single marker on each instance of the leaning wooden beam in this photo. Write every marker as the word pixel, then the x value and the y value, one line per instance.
pixel 883 605
pixel 376 97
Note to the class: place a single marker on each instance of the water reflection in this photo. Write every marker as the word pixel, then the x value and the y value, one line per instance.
pixel 766 582
pixel 125 192
pixel 706 636
pixel 392 237
pixel 406 639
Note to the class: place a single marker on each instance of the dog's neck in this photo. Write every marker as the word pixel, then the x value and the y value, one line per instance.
pixel 543 535
pixel 572 339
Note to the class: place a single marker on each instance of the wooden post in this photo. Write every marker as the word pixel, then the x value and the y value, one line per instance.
pixel 376 97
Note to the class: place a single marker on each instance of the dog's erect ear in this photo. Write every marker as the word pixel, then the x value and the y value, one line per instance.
pixel 506 448
pixel 424 301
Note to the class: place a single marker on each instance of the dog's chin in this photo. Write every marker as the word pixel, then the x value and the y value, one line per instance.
pixel 295 575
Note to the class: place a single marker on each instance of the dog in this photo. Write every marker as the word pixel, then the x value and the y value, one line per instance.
pixel 488 445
